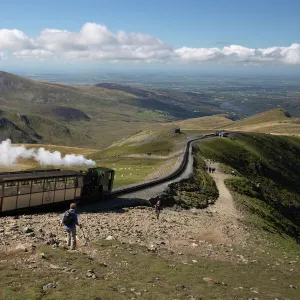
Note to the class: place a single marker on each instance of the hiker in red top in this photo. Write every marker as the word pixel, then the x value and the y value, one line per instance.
pixel 157 208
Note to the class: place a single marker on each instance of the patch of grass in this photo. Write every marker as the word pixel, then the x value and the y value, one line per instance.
pixel 132 272
pixel 156 142
pixel 129 170
pixel 155 147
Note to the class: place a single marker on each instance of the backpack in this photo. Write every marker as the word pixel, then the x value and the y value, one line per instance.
pixel 69 218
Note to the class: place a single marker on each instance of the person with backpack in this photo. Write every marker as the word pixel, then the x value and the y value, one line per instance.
pixel 157 208
pixel 70 221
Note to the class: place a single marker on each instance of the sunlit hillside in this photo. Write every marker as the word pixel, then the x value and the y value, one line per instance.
pixel 204 123
pixel 276 121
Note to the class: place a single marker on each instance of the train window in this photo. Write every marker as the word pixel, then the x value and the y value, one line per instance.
pixel 1 192
pixel 79 182
pixel 70 182
pixel 49 184
pixel 37 186
pixel 24 183
pixel 60 183
pixel 10 190
pixel 24 187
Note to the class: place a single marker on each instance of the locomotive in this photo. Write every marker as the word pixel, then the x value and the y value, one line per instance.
pixel 44 188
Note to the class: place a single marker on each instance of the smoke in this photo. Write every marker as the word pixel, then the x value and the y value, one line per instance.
pixel 9 155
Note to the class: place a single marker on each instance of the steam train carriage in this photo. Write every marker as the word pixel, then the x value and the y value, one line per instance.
pixel 38 188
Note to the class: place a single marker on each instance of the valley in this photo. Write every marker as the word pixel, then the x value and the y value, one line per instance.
pixel 219 235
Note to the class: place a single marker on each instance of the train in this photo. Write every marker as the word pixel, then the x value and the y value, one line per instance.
pixel 53 187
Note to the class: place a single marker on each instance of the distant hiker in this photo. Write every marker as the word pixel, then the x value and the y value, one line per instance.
pixel 70 221
pixel 157 208
pixel 213 170
pixel 209 169
pixel 206 169
pixel 233 173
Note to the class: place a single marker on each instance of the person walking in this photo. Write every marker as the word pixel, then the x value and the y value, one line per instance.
pixel 70 221
pixel 157 208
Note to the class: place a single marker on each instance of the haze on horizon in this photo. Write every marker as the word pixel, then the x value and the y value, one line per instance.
pixel 197 35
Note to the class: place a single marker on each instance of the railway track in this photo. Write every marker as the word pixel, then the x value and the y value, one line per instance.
pixel 173 175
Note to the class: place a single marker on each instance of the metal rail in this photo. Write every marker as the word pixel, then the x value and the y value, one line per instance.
pixel 166 178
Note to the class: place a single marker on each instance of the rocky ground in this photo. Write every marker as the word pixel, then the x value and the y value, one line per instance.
pixel 211 232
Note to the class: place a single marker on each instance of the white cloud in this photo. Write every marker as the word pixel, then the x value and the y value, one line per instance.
pixel 14 39
pixel 94 42
pixel 236 53
pixel 36 53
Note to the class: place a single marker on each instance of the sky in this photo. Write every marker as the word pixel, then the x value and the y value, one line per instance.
pixel 167 34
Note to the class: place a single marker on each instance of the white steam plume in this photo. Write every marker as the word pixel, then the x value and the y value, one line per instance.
pixel 9 154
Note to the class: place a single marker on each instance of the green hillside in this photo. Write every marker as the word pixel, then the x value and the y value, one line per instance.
pixel 21 128
pixel 268 169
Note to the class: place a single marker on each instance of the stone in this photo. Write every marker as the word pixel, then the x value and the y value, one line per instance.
pixel 54 267
pixel 49 286
pixel 103 265
pixel 110 238
pixel 152 248
pixel 27 230
pixel 122 290
pixel 207 279
pixel 43 256
pixel 30 234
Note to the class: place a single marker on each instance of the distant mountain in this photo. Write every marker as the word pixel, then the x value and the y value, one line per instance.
pixel 33 129
pixel 178 104
pixel 107 112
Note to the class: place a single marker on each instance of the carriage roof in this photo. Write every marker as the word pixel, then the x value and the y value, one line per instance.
pixel 40 174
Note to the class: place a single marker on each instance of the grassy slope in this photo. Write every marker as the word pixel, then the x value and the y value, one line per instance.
pixel 125 277
pixel 135 168
pixel 268 179
pixel 205 123
pixel 275 121
pixel 39 129
pixel 158 142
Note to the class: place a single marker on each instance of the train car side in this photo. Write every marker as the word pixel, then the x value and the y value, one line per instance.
pixel 48 188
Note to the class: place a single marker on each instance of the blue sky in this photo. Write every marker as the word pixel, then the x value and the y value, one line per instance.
pixel 192 23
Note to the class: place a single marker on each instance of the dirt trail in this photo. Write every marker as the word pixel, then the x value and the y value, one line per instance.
pixel 224 225
pixel 225 203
